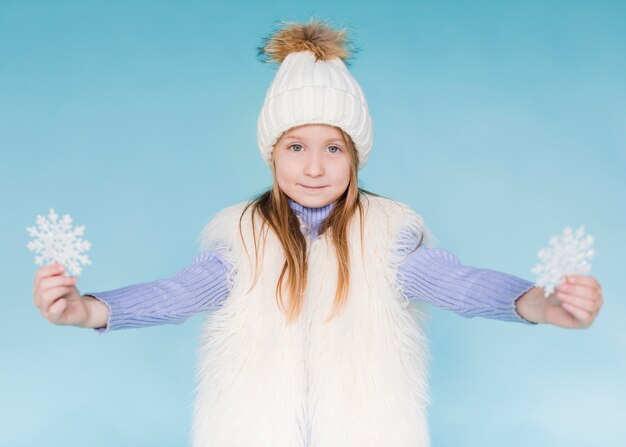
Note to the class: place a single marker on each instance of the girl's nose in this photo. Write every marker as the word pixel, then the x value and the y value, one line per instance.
pixel 313 166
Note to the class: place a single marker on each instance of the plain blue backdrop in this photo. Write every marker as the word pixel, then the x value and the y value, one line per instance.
pixel 500 122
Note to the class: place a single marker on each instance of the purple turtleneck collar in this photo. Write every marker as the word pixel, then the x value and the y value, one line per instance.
pixel 310 218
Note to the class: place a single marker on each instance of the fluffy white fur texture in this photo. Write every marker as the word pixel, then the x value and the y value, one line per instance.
pixel 359 380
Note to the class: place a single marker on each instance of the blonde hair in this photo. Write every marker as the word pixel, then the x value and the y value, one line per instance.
pixel 273 207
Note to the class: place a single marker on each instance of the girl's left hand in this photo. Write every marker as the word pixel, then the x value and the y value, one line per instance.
pixel 575 303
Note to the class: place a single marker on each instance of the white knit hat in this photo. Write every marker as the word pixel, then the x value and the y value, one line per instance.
pixel 312 86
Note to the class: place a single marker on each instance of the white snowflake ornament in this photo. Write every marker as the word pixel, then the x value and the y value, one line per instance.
pixel 56 241
pixel 566 255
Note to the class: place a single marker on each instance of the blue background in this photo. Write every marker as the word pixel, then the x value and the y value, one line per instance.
pixel 500 122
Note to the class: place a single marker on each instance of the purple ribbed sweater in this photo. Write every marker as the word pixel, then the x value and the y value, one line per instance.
pixel 433 275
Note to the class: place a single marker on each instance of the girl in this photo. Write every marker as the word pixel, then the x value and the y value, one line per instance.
pixel 316 288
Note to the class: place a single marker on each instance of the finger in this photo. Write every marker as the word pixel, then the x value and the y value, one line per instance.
pixel 584 280
pixel 46 272
pixel 581 315
pixel 56 310
pixel 51 295
pixel 50 269
pixel 578 290
pixel 55 281
pixel 51 282
pixel 582 303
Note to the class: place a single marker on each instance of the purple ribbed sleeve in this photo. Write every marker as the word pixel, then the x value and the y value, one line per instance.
pixel 437 276
pixel 200 286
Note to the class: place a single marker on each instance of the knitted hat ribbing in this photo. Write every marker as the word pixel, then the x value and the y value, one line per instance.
pixel 312 86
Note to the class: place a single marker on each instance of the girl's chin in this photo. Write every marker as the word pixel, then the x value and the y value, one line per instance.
pixel 312 202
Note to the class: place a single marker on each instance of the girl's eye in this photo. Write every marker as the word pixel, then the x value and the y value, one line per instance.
pixel 334 149
pixel 296 147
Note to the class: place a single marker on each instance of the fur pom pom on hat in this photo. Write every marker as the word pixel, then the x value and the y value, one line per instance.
pixel 312 86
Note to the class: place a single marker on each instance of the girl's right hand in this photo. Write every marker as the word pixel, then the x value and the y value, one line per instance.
pixel 57 298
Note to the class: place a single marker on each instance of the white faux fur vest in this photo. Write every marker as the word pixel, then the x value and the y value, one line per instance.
pixel 359 380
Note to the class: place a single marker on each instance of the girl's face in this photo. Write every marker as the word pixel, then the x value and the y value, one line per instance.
pixel 312 164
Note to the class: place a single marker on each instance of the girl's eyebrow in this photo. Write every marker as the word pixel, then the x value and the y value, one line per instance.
pixel 298 137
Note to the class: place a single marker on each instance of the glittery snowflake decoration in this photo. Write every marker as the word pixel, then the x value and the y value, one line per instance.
pixel 566 255
pixel 56 241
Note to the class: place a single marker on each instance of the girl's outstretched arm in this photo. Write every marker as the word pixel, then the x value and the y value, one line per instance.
pixel 437 276
pixel 200 286
pixel 574 304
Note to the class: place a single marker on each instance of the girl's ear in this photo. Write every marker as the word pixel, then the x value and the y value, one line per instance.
pixel 273 161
